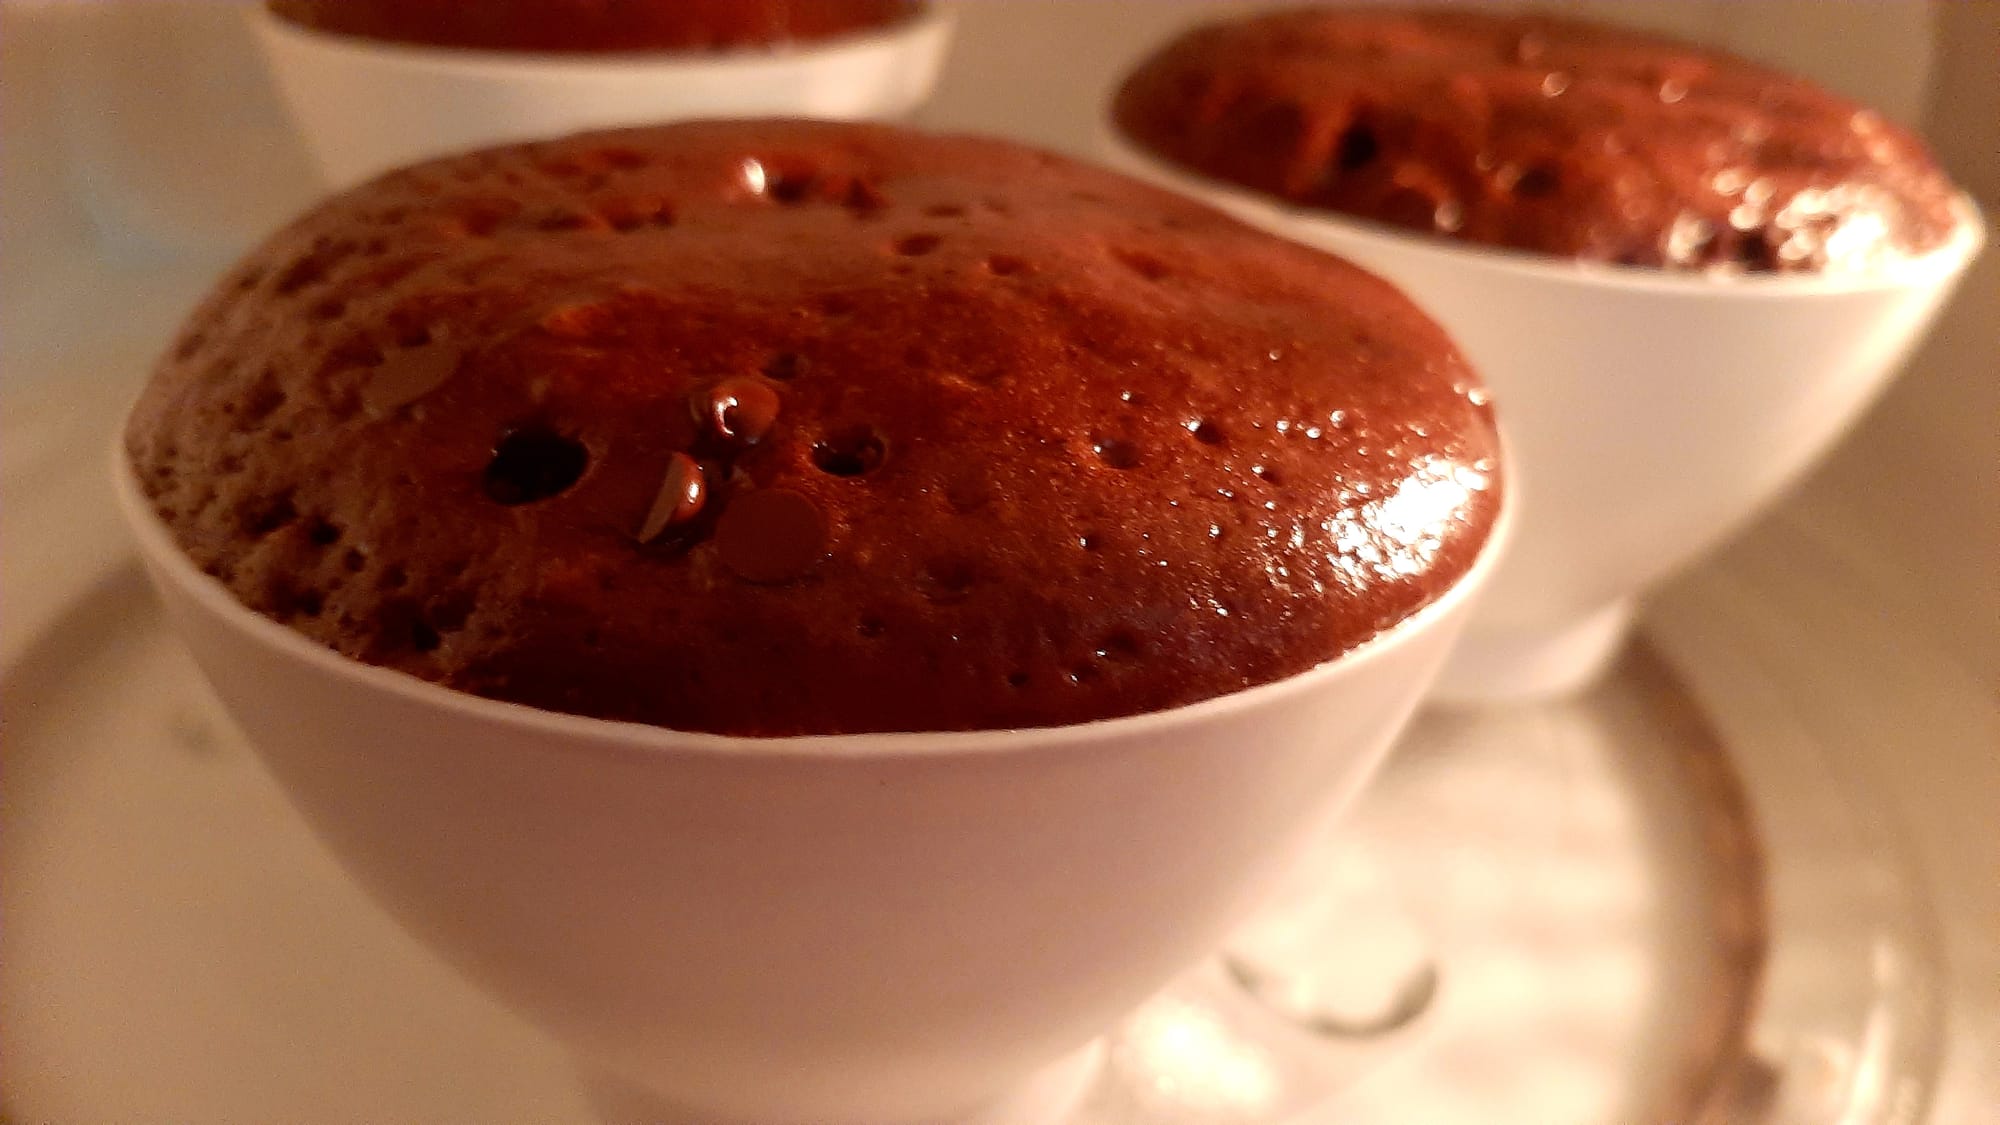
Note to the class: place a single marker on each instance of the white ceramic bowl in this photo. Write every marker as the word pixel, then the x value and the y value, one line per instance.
pixel 365 106
pixel 1649 414
pixel 869 928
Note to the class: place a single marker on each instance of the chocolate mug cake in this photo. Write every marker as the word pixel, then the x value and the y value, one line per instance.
pixel 775 427
pixel 1540 133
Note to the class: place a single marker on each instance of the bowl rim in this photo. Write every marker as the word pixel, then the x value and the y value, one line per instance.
pixel 1932 267
pixel 157 548
pixel 933 20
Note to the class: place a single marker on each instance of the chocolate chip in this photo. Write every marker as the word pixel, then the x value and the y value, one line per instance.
pixel 770 536
pixel 408 374
pixel 740 409
pixel 682 493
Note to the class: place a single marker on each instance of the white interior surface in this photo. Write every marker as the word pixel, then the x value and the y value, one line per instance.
pixel 1908 503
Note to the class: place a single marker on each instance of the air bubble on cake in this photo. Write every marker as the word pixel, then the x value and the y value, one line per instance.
pixel 1357 147
pixel 785 366
pixel 323 533
pixel 306 270
pixel 1115 452
pixel 623 159
pixel 1205 431
pixel 308 603
pixel 561 219
pixel 631 217
pixel 449 612
pixel 948 580
pixel 532 463
pixel 1145 265
pixel 863 199
pixel 357 351
pixel 260 516
pixel 1536 181
pixel 314 266
pixel 423 637
pixel 850 451
pixel 791 187
pixel 1119 646
pixel 260 401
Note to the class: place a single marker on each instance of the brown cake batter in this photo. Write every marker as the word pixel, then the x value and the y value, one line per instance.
pixel 777 427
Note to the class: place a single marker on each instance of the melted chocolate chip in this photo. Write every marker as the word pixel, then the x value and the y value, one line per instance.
pixel 771 536
pixel 682 493
pixel 741 409
pixel 408 374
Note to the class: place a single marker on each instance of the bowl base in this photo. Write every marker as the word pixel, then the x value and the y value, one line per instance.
pixel 1513 666
pixel 1046 1097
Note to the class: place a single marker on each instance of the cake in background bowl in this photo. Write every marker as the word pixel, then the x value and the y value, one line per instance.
pixel 1684 274
pixel 1543 134
pixel 763 598
pixel 619 26
pixel 374 84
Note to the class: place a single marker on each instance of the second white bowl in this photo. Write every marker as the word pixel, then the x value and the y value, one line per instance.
pixel 365 106
pixel 1648 414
